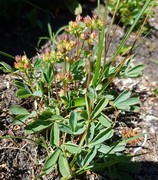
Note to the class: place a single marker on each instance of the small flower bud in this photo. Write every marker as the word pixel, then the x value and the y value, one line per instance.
pixel 66 37
pixel 59 76
pixel 95 16
pixel 87 20
pixel 68 77
pixel 78 18
pixel 93 35
pixel 17 58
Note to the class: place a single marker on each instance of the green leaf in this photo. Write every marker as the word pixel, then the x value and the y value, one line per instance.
pixel 101 137
pixel 99 107
pixel 6 67
pixel 18 110
pixel 57 117
pixel 37 93
pixel 7 55
pixel 64 166
pixel 37 126
pixel 122 97
pixel 73 121
pixel 77 65
pixel 20 119
pixel 135 137
pixel 46 114
pixel 38 63
pixel 65 128
pixel 135 71
pixel 84 114
pixel 80 160
pixel 50 32
pixel 47 74
pixel 51 161
pixel 125 105
pixel 79 130
pixel 72 148
pixel 20 84
pixel 74 7
pixel 104 120
pixel 55 135
pixel 23 93
pixel 90 156
pixel 111 149
pixel 78 102
pixel 92 95
pixel 90 133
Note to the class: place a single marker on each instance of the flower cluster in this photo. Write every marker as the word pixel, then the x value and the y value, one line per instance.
pixel 81 24
pixel 22 62
pixel 64 45
pixel 49 55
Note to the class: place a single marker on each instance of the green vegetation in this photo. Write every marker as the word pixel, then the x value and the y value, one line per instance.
pixel 127 11
pixel 70 85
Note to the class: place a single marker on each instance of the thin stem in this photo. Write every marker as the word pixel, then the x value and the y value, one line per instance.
pixel 64 138
pixel 65 88
pixel 29 81
pixel 105 22
pixel 78 55
pixel 98 4
pixel 32 88
pixel 89 73
pixel 89 109
pixel 55 84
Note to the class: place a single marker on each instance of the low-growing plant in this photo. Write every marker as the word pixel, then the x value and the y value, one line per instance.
pixel 127 11
pixel 70 86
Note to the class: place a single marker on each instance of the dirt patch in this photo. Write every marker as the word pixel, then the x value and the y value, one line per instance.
pixel 22 159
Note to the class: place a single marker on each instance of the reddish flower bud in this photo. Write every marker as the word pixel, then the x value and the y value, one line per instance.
pixel 66 37
pixel 87 20
pixel 93 35
pixel 68 77
pixel 59 76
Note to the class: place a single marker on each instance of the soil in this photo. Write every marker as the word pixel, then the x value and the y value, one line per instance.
pixel 21 159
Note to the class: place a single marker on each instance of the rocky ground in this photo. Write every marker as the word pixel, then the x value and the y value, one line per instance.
pixel 21 159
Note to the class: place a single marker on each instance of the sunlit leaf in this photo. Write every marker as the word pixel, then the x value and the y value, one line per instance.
pixel 78 102
pixel 105 120
pixel 51 161
pixel 20 119
pixel 99 107
pixel 73 120
pixel 55 135
pixel 72 148
pixel 102 136
pixel 37 93
pixel 37 126
pixel 90 156
pixel 74 7
pixel 90 133
pixel 122 97
pixel 65 128
pixel 64 166
pixel 23 93
pixel 20 84
pixel 6 67
pixel 18 110
pixel 135 71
